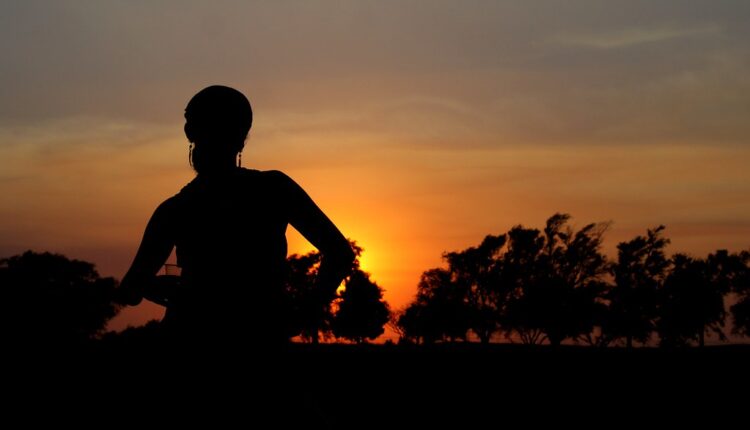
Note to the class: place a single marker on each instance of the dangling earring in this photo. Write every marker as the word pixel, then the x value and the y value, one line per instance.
pixel 239 162
pixel 190 154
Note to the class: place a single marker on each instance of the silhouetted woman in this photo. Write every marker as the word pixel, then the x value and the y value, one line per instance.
pixel 228 226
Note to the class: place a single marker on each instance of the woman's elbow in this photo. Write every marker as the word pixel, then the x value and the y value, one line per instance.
pixel 344 257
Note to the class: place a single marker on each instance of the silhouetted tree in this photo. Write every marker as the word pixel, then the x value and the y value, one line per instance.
pixel 692 300
pixel 557 280
pixel 555 284
pixel 741 317
pixel 595 313
pixel 414 324
pixel 522 269
pixel 639 272
pixel 729 273
pixel 49 298
pixel 578 265
pixel 475 274
pixel 362 312
pixel 439 311
pixel 740 285
pixel 149 335
pixel 442 309
pixel 395 325
pixel 308 317
pixel 310 314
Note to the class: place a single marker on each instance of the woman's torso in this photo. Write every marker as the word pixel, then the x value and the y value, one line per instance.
pixel 231 245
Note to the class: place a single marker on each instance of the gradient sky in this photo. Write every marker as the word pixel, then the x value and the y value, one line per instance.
pixel 418 126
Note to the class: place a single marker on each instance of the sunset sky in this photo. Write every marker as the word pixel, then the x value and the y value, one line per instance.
pixel 418 126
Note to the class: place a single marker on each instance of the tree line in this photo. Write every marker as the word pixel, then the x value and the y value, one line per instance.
pixel 554 285
pixel 527 285
pixel 47 298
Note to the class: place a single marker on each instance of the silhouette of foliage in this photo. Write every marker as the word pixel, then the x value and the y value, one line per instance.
pixel 395 325
pixel 362 313
pixel 537 286
pixel 414 324
pixel 475 273
pixel 557 280
pixel 147 335
pixel 442 312
pixel 639 273
pixel 555 284
pixel 521 270
pixel 594 313
pixel 311 315
pixel 741 317
pixel 308 317
pixel 692 300
pixel 740 285
pixel 48 298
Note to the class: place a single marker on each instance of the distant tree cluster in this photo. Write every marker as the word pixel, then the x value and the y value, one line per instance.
pixel 47 298
pixel 357 314
pixel 556 284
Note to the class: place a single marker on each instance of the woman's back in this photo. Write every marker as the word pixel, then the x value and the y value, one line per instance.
pixel 229 233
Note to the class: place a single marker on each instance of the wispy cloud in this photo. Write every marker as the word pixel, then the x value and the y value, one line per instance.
pixel 72 132
pixel 633 36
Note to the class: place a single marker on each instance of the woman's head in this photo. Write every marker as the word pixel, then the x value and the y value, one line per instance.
pixel 217 121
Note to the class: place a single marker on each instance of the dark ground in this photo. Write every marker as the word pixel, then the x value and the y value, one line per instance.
pixel 376 386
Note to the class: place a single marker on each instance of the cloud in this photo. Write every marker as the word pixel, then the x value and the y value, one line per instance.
pixel 633 36
pixel 75 132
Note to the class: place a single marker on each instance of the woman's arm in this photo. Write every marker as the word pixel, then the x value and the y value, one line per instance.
pixel 156 245
pixel 336 252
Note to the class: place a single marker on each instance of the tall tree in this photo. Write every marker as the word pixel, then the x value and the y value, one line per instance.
pixel 740 285
pixel 522 271
pixel 475 273
pixel 577 268
pixel 50 298
pixel 414 324
pixel 440 310
pixel 692 300
pixel 639 272
pixel 362 312
pixel 558 278
pixel 307 317
pixel 394 323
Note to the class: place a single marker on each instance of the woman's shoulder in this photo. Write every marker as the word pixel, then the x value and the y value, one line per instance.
pixel 272 180
pixel 269 177
pixel 266 174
